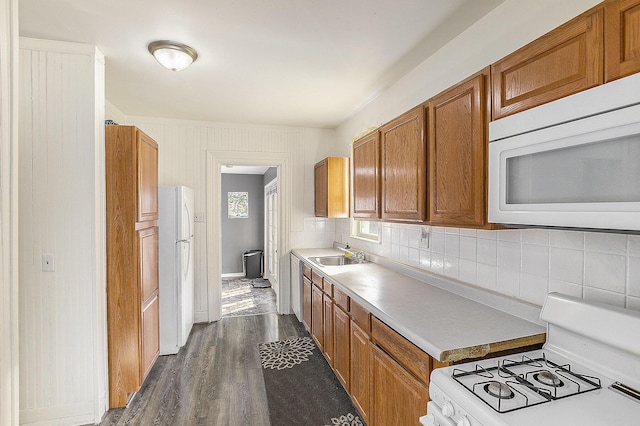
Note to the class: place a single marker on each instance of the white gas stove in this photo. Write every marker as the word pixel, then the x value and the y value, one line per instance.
pixel 587 373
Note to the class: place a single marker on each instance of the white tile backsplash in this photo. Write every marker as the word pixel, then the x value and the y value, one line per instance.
pixel 468 248
pixel 605 271
pixel 522 263
pixel 634 245
pixel 509 254
pixel 533 288
pixel 566 265
pixel 605 243
pixel 487 251
pixel 452 245
pixel 509 282
pixel 535 259
pixel 633 280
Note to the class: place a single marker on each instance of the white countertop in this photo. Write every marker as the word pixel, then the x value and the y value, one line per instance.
pixel 447 326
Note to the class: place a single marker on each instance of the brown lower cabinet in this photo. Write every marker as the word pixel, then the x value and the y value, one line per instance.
pixel 341 346
pixel 306 302
pixel 317 322
pixel 328 327
pixel 385 375
pixel 361 371
pixel 398 398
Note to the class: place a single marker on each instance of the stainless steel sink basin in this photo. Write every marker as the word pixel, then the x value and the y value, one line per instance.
pixel 334 260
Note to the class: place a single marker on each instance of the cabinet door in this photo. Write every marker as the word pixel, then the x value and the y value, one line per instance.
pixel 328 328
pixel 341 346
pixel 147 178
pixel 148 251
pixel 622 38
pixel 403 156
pixel 361 371
pixel 564 61
pixel 457 155
pixel 366 177
pixel 399 399
pixel 316 317
pixel 148 247
pixel 306 302
pixel 321 175
pixel 150 335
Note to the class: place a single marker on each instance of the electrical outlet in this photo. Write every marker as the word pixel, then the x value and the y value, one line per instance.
pixel 48 262
pixel 424 236
pixel 198 217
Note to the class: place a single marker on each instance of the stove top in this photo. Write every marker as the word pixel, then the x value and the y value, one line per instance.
pixel 587 373
pixel 515 383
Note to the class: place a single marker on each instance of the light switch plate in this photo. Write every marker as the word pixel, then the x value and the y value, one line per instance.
pixel 48 262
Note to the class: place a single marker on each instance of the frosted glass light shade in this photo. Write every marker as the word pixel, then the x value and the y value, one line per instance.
pixel 172 55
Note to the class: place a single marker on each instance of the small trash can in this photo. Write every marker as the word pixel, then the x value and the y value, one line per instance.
pixel 252 263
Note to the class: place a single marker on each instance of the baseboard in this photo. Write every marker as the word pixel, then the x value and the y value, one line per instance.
pixel 200 317
pixel 71 414
pixel 233 275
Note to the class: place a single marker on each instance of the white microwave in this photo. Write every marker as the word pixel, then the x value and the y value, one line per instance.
pixel 573 163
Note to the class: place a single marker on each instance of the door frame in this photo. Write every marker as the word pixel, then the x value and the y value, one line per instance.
pixel 9 328
pixel 215 160
pixel 267 249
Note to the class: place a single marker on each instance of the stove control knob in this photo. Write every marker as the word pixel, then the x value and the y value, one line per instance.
pixel 448 410
pixel 463 421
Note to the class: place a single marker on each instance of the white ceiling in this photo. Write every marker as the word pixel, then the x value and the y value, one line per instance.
pixel 306 63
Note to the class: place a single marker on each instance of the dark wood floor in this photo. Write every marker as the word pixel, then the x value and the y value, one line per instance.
pixel 215 379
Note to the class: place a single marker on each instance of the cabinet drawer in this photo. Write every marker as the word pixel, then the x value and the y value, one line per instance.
pixel 361 316
pixel 328 288
pixel 306 271
pixel 416 361
pixel 316 278
pixel 341 299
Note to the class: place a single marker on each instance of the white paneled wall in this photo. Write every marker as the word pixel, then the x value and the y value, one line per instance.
pixel 61 208
pixel 525 264
pixel 9 380
pixel 182 161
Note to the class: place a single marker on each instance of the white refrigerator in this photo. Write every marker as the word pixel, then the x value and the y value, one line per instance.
pixel 175 204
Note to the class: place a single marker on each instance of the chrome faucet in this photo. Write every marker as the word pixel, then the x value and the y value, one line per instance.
pixel 358 255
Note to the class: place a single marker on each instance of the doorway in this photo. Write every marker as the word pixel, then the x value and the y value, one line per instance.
pixel 281 202
pixel 247 223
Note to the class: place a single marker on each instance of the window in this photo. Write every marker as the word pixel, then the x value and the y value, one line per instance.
pixel 365 230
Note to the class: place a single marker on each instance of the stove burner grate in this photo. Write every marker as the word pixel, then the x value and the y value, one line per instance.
pixel 550 382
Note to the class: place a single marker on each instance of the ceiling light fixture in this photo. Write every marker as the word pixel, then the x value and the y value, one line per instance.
pixel 172 55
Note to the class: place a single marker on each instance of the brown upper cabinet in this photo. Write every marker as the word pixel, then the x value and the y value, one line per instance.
pixel 457 154
pixel 622 38
pixel 331 178
pixel 366 177
pixel 564 61
pixel 403 149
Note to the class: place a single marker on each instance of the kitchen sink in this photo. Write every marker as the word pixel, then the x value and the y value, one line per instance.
pixel 334 260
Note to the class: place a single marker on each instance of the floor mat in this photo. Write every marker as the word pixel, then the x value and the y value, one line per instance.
pixel 301 387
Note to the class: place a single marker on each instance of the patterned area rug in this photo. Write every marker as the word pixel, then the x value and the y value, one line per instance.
pixel 301 387
pixel 240 297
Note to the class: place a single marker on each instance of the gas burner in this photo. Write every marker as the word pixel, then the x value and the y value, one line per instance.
pixel 498 390
pixel 548 378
